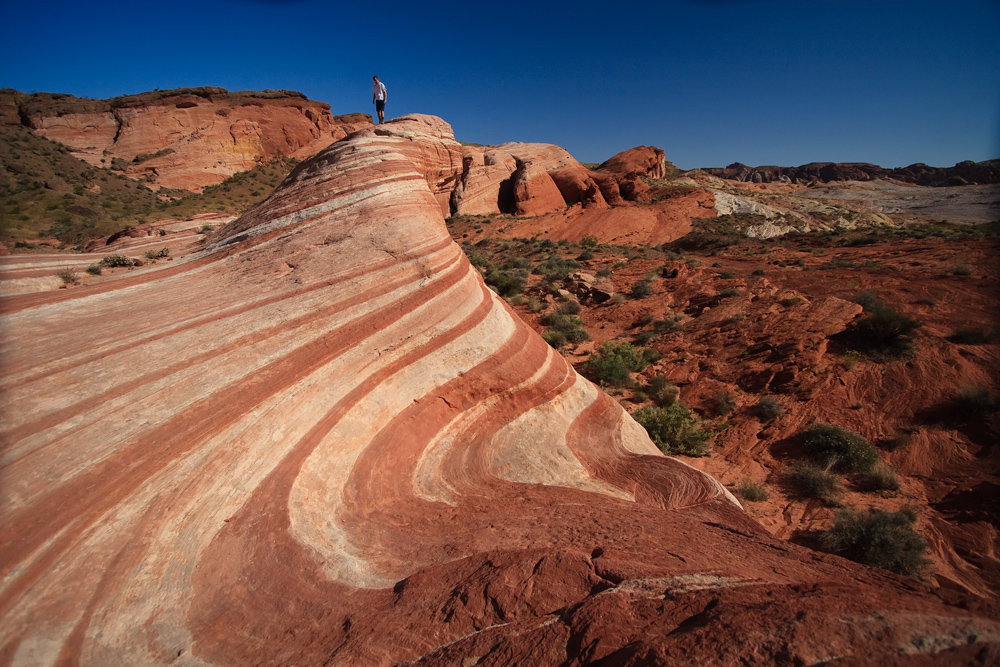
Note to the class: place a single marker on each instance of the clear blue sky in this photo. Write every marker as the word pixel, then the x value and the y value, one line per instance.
pixel 710 81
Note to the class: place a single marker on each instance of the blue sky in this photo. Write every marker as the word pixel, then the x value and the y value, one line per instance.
pixel 709 81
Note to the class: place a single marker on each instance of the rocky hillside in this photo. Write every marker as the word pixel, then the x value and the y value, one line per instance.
pixel 186 138
pixel 321 439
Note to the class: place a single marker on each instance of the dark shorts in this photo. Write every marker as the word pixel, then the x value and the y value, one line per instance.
pixel 379 105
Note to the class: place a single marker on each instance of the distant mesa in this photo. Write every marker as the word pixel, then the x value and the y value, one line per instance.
pixel 963 173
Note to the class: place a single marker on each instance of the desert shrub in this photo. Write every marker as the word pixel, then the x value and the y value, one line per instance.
pixel 724 403
pixel 879 478
pixel 669 323
pixel 157 254
pixel 758 272
pixel 661 391
pixel 969 336
pixel 674 429
pixel 569 308
pixel 716 265
pixel 205 229
pixel 837 447
pixel 618 299
pixel 603 273
pixel 751 491
pixel 589 242
pixel 877 538
pixel 727 275
pixel 729 292
pixel 640 290
pixel 883 334
pixel 563 329
pixel 851 359
pixel 639 396
pixel 644 337
pixel 813 481
pixel 585 255
pixel 612 364
pixel 973 402
pixel 769 408
pixel 94 269
pixel 68 277
pixel 116 260
pixel 960 270
pixel 556 268
pixel 507 283
pixel 790 301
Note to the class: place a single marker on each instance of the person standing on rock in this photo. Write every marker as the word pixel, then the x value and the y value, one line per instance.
pixel 379 96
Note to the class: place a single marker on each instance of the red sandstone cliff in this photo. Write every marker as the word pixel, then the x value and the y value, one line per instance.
pixel 187 138
pixel 322 440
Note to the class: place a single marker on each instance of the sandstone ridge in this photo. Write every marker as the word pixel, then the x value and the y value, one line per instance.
pixel 963 173
pixel 323 440
pixel 185 138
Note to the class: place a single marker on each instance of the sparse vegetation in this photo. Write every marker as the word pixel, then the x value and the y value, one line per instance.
pixel 116 261
pixel 877 538
pixel 725 403
pixel 851 359
pixel 751 491
pixel 972 336
pixel 674 429
pixel 769 408
pixel 661 391
pixel 813 481
pixel 563 328
pixel 883 335
pixel 640 290
pixel 839 448
pixel 879 478
pixel 974 402
pixel 613 363
pixel 68 277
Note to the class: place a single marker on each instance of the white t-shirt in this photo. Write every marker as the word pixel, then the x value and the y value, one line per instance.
pixel 379 90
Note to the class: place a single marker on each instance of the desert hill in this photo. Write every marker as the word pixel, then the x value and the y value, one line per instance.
pixel 317 437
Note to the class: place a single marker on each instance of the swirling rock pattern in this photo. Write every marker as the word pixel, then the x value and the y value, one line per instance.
pixel 322 440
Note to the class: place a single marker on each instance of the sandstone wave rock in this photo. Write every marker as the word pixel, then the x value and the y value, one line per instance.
pixel 322 440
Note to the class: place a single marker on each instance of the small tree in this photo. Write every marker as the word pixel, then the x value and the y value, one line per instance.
pixel 839 448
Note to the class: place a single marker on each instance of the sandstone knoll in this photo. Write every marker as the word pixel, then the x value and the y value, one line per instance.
pixel 322 440
pixel 186 138
pixel 963 173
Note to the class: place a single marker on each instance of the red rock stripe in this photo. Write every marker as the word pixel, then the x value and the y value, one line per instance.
pixel 64 414
pixel 270 572
pixel 232 312
pixel 83 499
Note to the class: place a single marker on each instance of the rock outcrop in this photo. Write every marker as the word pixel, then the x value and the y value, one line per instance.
pixel 186 138
pixel 323 440
pixel 963 173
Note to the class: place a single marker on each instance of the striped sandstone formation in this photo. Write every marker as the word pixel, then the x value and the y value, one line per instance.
pixel 322 440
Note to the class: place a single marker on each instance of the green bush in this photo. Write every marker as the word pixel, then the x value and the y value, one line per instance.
pixel 751 491
pixel 769 408
pixel 94 269
pixel 813 481
pixel 727 275
pixel 729 292
pixel 674 429
pixel 839 448
pixel 613 363
pixel 569 308
pixel 877 538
